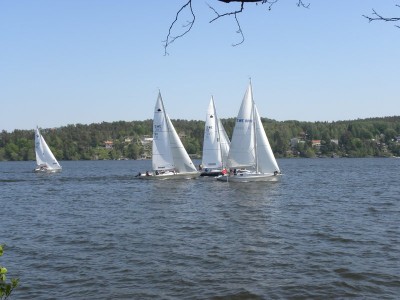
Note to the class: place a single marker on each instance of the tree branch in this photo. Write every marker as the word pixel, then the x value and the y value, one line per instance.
pixel 301 3
pixel 229 1
pixel 226 14
pixel 378 17
pixel 270 2
pixel 239 31
pixel 229 14
pixel 170 39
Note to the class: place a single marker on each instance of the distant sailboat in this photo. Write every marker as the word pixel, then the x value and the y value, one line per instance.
pixel 45 160
pixel 169 157
pixel 250 156
pixel 215 144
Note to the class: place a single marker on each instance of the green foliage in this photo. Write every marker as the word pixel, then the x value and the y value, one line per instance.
pixel 6 287
pixel 132 151
pixel 360 138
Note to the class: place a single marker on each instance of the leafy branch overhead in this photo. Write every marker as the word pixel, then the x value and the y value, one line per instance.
pixel 234 13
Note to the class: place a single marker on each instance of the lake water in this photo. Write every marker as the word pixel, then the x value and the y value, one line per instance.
pixel 329 229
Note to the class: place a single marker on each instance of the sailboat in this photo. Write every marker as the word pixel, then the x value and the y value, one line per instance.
pixel 250 155
pixel 169 157
pixel 215 144
pixel 45 160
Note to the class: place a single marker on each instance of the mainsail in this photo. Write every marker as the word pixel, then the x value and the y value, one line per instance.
pixel 168 150
pixel 162 156
pixel 216 141
pixel 241 153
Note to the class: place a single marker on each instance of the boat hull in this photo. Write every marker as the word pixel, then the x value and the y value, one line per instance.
pixel 249 177
pixel 211 174
pixel 42 170
pixel 167 176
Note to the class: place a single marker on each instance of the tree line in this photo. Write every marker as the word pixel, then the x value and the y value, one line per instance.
pixel 378 137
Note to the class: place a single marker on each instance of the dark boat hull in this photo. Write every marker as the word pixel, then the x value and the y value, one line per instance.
pixel 210 174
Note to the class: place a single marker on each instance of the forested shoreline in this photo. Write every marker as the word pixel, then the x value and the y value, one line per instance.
pixel 376 137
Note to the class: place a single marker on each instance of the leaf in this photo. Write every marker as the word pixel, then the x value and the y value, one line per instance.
pixel 8 289
pixel 14 282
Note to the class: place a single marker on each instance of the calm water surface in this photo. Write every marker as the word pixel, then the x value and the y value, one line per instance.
pixel 329 229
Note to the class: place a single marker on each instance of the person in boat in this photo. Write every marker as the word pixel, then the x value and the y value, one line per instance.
pixel 200 167
pixel 138 174
pixel 157 173
pixel 147 173
pixel 275 173
pixel 234 172
pixel 223 171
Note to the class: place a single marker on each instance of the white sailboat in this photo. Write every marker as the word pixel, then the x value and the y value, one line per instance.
pixel 215 145
pixel 45 160
pixel 250 156
pixel 169 157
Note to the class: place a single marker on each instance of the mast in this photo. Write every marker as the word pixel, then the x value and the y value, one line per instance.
pixel 218 133
pixel 162 158
pixel 168 130
pixel 241 152
pixel 253 107
pixel 164 113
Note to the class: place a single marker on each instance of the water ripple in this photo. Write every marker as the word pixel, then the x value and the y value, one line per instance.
pixel 328 230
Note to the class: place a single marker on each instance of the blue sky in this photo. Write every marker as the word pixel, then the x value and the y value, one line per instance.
pixel 72 61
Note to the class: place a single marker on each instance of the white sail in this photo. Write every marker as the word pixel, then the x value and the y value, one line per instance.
pixel 224 143
pixel 216 141
pixel 162 156
pixel 169 157
pixel 242 152
pixel 266 161
pixel 44 156
pixel 250 151
pixel 181 159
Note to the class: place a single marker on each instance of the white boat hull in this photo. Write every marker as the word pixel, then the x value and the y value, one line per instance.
pixel 167 176
pixel 44 170
pixel 249 177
